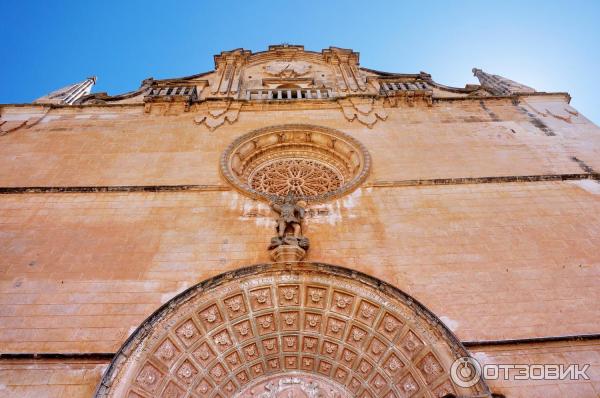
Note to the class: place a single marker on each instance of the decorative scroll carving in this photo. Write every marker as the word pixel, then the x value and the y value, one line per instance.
pixel 296 341
pixel 366 110
pixel 215 113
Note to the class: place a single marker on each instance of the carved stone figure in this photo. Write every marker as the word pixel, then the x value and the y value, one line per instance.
pixel 289 237
pixel 290 215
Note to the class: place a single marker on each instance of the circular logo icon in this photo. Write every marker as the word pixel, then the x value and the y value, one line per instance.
pixel 465 372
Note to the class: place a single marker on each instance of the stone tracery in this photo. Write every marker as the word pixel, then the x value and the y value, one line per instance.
pixel 313 163
pixel 302 177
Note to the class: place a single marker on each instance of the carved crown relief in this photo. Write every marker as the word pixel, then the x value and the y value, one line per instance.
pixel 316 331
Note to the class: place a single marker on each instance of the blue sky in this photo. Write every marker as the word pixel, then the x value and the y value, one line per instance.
pixel 549 45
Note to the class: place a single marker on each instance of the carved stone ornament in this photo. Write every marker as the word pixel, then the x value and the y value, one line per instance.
pixel 366 110
pixel 289 347
pixel 312 163
pixel 287 69
pixel 214 113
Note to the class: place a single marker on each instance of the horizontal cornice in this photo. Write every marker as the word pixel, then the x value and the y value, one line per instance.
pixel 515 97
pixel 372 184
pixel 469 344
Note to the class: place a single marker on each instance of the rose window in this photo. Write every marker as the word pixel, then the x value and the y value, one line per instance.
pixel 311 162
pixel 302 177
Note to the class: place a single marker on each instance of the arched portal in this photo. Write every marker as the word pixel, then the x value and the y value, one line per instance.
pixel 314 330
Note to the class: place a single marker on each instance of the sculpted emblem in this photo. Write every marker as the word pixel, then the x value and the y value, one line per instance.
pixel 166 351
pixel 357 334
pixel 211 315
pixel 367 311
pixel 313 320
pixel 342 301
pixel 261 296
pixel 147 376
pixel 203 352
pixel 287 68
pixel 289 293
pixel 315 295
pixel 266 322
pixel 243 329
pixel 234 303
pixel 222 339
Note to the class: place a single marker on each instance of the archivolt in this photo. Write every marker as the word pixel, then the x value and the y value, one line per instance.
pixel 272 330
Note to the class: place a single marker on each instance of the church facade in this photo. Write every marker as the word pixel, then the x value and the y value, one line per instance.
pixel 292 224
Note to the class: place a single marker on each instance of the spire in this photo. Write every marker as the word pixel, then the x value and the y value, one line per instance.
pixel 69 94
pixel 499 85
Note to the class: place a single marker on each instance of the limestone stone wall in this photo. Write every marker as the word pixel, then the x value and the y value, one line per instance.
pixel 495 259
pixel 122 145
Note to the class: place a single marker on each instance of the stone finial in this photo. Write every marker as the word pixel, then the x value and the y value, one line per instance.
pixel 69 94
pixel 499 85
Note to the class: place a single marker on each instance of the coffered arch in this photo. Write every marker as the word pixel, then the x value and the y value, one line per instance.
pixel 271 330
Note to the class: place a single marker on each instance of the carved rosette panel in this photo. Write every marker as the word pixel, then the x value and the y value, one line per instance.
pixel 267 330
pixel 303 177
pixel 312 162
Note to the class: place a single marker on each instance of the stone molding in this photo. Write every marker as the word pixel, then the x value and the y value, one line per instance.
pixel 375 184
